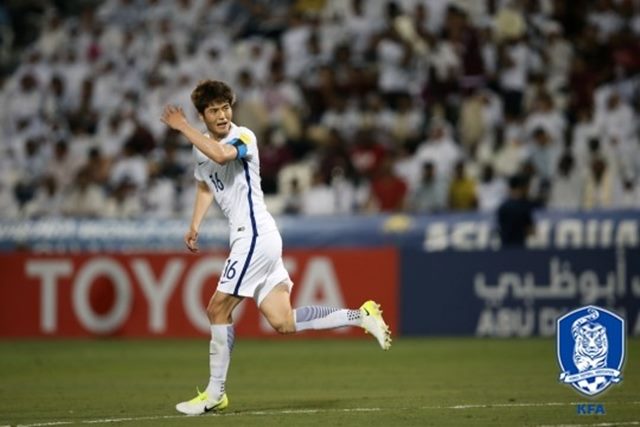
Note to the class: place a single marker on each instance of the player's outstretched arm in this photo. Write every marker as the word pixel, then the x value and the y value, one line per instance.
pixel 174 117
pixel 204 198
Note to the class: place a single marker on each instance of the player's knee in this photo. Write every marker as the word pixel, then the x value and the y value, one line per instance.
pixel 216 311
pixel 212 308
pixel 284 325
pixel 285 328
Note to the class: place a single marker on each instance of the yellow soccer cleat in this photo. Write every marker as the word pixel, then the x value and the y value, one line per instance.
pixel 201 404
pixel 373 323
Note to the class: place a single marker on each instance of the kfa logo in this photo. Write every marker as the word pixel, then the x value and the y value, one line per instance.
pixel 591 347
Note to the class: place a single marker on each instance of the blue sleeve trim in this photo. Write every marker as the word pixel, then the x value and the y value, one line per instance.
pixel 241 147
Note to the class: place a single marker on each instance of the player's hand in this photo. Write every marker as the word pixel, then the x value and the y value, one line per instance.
pixel 191 240
pixel 174 117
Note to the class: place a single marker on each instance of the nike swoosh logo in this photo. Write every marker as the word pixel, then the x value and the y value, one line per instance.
pixel 202 163
pixel 212 408
pixel 366 311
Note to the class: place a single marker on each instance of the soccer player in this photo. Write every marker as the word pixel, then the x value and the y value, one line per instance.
pixel 227 169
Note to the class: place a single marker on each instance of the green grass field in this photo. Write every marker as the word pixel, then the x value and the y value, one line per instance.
pixel 303 383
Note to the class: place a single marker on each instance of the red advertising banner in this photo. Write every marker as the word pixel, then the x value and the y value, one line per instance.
pixel 165 294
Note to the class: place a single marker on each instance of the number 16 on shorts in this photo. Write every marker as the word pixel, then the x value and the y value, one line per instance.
pixel 229 271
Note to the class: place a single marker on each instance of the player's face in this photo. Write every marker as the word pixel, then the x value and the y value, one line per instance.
pixel 217 117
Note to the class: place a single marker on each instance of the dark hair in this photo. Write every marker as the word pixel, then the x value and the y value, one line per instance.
pixel 517 181
pixel 539 132
pixel 210 91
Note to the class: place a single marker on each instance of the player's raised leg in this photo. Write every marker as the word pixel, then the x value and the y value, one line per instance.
pixel 214 398
pixel 276 307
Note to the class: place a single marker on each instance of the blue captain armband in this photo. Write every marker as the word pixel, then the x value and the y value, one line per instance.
pixel 241 147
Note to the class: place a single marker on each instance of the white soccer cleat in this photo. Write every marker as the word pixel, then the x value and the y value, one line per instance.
pixel 373 323
pixel 201 404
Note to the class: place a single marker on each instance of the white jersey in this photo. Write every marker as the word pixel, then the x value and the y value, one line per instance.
pixel 236 187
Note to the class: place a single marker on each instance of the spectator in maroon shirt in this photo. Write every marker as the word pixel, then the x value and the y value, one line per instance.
pixel 388 192
pixel 273 157
pixel 367 155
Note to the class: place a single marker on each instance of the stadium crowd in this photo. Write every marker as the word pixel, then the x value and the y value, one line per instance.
pixel 359 106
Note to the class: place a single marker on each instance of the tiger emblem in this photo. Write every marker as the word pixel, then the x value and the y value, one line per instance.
pixel 591 345
pixel 591 349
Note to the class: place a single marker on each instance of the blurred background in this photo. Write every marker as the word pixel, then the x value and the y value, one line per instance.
pixel 473 164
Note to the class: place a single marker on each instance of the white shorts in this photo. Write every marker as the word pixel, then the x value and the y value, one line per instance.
pixel 254 267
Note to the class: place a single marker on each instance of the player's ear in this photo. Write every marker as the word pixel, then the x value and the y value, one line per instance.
pixel 201 117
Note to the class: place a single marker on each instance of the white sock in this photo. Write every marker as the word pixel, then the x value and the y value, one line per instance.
pixel 316 317
pixel 222 337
